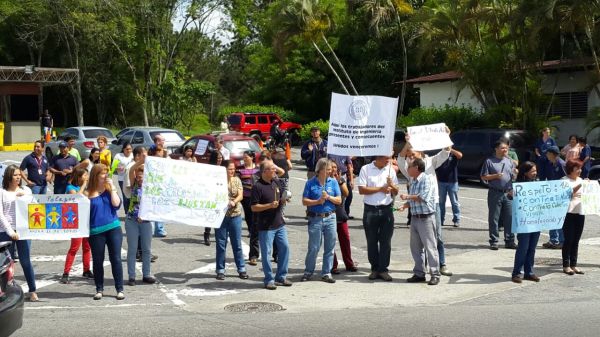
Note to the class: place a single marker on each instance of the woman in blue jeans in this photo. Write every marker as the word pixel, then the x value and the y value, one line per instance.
pixel 11 189
pixel 321 195
pixel 525 254
pixel 138 230
pixel 105 229
pixel 231 227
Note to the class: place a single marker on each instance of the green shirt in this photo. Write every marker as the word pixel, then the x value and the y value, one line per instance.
pixel 75 153
pixel 513 155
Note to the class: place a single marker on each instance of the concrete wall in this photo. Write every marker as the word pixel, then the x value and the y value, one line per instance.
pixel 438 94
pixel 22 132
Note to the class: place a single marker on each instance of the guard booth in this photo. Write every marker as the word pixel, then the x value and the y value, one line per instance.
pixel 21 102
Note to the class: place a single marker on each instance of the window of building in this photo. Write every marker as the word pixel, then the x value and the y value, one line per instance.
pixel 568 104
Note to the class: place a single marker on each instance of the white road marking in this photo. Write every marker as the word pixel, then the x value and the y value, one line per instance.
pixel 107 306
pixel 301 179
pixel 468 198
pixel 590 241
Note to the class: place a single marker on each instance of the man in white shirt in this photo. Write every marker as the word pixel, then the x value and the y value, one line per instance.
pixel 224 152
pixel 378 183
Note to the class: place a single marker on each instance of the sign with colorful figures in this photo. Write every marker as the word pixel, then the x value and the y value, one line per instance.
pixel 53 217
pixel 182 192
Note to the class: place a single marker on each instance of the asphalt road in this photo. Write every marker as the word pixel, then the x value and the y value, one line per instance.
pixel 479 300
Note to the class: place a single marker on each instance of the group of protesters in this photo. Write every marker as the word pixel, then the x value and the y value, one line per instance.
pixel 260 191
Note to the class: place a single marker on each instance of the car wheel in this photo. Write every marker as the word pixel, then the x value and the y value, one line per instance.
pixel 49 153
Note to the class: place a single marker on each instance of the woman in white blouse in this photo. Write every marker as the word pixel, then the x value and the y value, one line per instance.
pixel 11 189
pixel 573 225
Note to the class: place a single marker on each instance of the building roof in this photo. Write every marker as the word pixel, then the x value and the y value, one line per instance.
pixel 547 66
pixel 31 74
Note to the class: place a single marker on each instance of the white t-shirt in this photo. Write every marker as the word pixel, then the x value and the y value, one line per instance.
pixel 575 203
pixel 372 176
pixel 123 162
pixel 126 182
pixel 8 222
pixel 225 153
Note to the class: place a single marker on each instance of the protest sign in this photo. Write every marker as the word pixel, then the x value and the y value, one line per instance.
pixel 201 147
pixel 540 205
pixel 429 137
pixel 178 191
pixel 52 217
pixel 361 125
pixel 590 197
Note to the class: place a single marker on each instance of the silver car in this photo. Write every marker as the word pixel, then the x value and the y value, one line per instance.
pixel 144 135
pixel 85 139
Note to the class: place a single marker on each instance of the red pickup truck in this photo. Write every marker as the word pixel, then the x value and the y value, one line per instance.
pixel 259 125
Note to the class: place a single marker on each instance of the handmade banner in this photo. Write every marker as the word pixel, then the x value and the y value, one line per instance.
pixel 201 147
pixel 540 205
pixel 178 191
pixel 429 137
pixel 590 197
pixel 361 125
pixel 53 217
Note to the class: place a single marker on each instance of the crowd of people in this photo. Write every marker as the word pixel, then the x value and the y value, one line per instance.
pixel 260 191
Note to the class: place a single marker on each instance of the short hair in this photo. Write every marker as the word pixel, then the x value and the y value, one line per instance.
pixel 219 140
pixel 573 136
pixel 265 154
pixel 125 144
pixel 582 140
pixel 8 173
pixel 38 142
pixel 321 165
pixel 419 164
pixel 138 150
pixel 188 147
pixel 572 164
pixel 249 153
pixel 263 165
pixel 501 141
pixel 68 138
pixel 102 138
pixel 157 137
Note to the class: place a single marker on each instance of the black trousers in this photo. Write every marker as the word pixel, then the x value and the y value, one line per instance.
pixel 572 229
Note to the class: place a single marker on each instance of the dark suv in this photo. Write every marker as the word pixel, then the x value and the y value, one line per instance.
pixel 477 145
pixel 11 294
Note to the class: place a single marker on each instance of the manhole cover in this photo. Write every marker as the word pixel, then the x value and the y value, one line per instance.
pixel 548 261
pixel 254 307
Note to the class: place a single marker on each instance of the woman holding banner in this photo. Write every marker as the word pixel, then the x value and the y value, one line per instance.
pixel 525 254
pixel 11 189
pixel 78 184
pixel 573 225
pixel 105 229
pixel 231 227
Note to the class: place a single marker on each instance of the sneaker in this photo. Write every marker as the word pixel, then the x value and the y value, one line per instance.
pixel 494 246
pixel 98 296
pixel 510 245
pixel 327 279
pixel 120 296
pixel 516 279
pixel 138 258
pixel 284 283
pixel 374 275
pixel 434 281
pixel 252 262
pixel 385 276
pixel 445 271
pixel 131 282
pixel 271 286
pixel 160 235
pixel 305 278
pixel 153 257
pixel 220 276
pixel 456 224
pixel 286 219
pixel 415 279
pixel 149 280
pixel 243 275
pixel 88 274
pixel 65 279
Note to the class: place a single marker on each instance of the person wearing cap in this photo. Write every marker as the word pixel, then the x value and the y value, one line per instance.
pixel 555 170
pixel 62 166
pixel 313 150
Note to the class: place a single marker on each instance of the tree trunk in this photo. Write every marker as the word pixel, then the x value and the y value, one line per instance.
pixel 340 64
pixel 404 65
pixel 330 67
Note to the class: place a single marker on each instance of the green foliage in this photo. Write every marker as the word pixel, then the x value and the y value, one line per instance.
pixel 200 125
pixel 456 118
pixel 286 115
pixel 323 125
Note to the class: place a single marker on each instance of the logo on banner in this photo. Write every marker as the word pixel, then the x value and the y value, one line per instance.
pixel 53 216
pixel 359 109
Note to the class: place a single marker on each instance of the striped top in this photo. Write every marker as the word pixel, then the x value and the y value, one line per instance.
pixel 8 219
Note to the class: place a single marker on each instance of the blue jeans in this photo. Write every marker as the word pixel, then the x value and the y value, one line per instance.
pixel 320 229
pixel 23 246
pixel 525 254
pixel 159 229
pixel 113 239
pixel 266 238
pixel 499 209
pixel 38 189
pixel 451 190
pixel 438 235
pixel 125 199
pixel 232 227
pixel 557 236
pixel 138 232
pixel 60 189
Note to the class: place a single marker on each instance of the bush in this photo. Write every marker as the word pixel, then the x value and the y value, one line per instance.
pixel 286 115
pixel 321 124
pixel 200 125
pixel 456 118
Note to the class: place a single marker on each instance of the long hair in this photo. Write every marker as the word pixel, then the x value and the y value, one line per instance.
pixel 524 168
pixel 8 174
pixel 77 177
pixel 97 170
pixel 92 151
pixel 125 144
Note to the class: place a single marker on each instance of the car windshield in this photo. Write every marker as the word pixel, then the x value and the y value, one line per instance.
pixel 239 146
pixel 94 133
pixel 234 119
pixel 170 136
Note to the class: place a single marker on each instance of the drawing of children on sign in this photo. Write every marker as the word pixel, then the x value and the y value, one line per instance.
pixel 37 218
pixel 53 218
pixel 69 216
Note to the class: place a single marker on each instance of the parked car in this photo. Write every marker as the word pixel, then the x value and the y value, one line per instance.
pixel 85 139
pixel 144 135
pixel 259 125
pixel 477 145
pixel 237 144
pixel 399 141
pixel 11 294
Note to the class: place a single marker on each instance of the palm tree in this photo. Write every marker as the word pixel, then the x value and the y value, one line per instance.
pixel 306 19
pixel 382 12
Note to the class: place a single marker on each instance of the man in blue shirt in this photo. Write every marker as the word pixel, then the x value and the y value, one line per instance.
pixel 447 177
pixel 321 194
pixel 555 170
pixel 62 166
pixel 498 171
pixel 36 165
pixel 313 150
